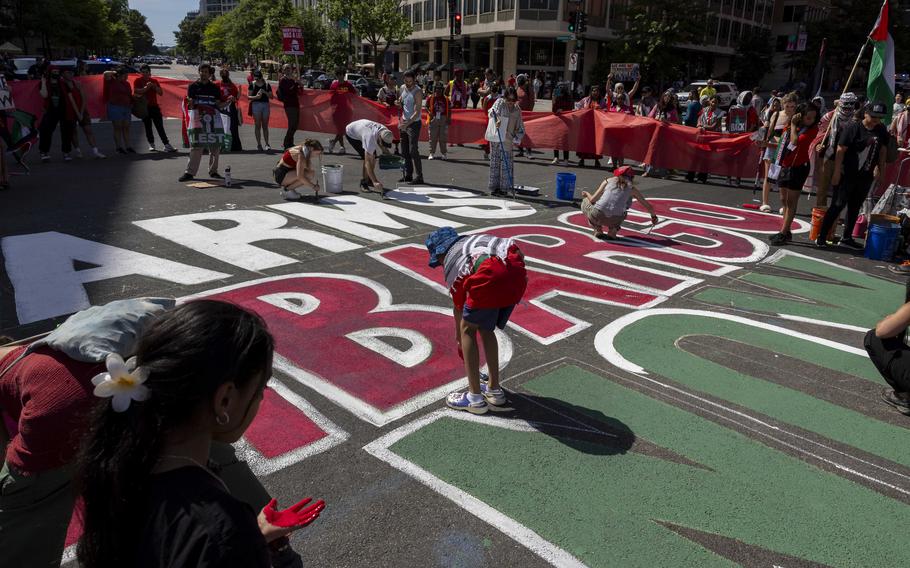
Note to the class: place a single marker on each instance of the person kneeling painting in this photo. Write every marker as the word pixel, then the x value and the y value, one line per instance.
pixel 889 352
pixel 368 138
pixel 297 169
pixel 486 277
pixel 608 206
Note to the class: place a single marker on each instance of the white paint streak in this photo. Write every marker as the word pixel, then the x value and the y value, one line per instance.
pixel 464 204
pixel 40 268
pixel 284 300
pixel 510 527
pixel 233 245
pixel 418 352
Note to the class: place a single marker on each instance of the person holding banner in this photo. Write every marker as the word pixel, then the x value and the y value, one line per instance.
pixel 77 113
pixel 259 93
pixel 229 90
pixel 118 93
pixel 148 87
pixel 51 91
pixel 594 100
pixel 205 127
pixel 505 129
pixel 287 93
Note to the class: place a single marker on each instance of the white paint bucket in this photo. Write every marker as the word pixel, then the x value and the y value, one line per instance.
pixel 332 177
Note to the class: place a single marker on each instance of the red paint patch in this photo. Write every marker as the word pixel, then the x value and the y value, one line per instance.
pixel 317 342
pixel 603 259
pixel 280 427
pixel 723 246
pixel 715 215
pixel 74 532
pixel 544 323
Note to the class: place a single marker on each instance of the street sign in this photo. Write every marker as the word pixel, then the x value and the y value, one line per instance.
pixel 573 61
pixel 565 38
pixel 797 42
pixel 292 41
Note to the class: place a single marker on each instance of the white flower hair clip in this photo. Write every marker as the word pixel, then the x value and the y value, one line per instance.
pixel 122 381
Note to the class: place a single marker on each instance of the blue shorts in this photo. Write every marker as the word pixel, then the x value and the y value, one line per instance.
pixel 118 113
pixel 487 318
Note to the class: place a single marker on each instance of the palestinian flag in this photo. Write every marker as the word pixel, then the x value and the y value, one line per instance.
pixel 881 70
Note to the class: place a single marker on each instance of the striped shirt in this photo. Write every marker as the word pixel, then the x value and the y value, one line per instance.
pixel 463 255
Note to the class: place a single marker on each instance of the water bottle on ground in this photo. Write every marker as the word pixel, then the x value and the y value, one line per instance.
pixel 227 176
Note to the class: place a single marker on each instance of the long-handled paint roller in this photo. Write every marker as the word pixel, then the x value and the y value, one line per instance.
pixel 508 163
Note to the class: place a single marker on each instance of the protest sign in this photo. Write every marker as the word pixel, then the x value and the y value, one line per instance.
pixel 292 40
pixel 624 71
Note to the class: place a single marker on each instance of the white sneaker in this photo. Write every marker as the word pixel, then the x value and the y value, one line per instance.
pixel 781 210
pixel 495 397
pixel 290 195
pixel 67 158
pixel 765 208
pixel 342 151
pixel 444 157
pixel 97 153
pixel 169 148
pixel 152 148
pixel 45 157
pixel 78 152
pixel 610 162
pixel 431 157
pixel 268 148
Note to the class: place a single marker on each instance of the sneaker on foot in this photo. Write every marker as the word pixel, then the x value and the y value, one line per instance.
pixel 779 239
pixel 431 157
pixel 169 148
pixel 900 401
pixel 185 177
pixel 765 208
pixel 259 147
pixel 290 195
pixel 152 148
pixel 555 161
pixel 97 153
pixel 215 175
pixel 342 151
pixel 45 157
pixel 581 163
pixel 67 158
pixel 78 152
pixel 460 401
pixel 495 397
pixel 268 148
pixel 484 378
pixel 444 157
pixel 417 181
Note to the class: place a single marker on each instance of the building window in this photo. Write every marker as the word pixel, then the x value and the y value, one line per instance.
pixel 427 10
pixel 540 53
pixel 724 38
pixel 506 5
pixel 794 13
pixel 470 7
pixel 539 5
pixel 441 9
pixel 486 6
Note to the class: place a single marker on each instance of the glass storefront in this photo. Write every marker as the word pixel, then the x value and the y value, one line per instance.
pixel 540 53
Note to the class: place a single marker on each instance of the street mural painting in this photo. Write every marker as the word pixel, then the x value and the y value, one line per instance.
pixel 734 380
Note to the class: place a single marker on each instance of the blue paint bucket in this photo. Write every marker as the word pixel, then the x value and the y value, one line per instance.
pixel 565 186
pixel 881 241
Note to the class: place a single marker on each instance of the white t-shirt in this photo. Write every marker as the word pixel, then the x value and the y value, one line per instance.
pixel 367 132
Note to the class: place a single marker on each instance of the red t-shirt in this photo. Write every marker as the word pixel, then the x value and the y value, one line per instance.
pixel 342 86
pixel 229 90
pixel 151 96
pixel 494 283
pixel 804 142
pixel 119 92
pixel 77 98
pixel 45 400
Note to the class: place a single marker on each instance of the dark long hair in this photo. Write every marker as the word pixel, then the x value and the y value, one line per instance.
pixel 189 351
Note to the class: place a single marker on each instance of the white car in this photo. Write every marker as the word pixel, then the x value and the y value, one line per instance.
pixel 726 92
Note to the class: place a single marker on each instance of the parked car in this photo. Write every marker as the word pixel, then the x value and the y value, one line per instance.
pixel 352 77
pixel 22 65
pixel 323 81
pixel 726 92
pixel 902 82
pixel 368 88
pixel 309 78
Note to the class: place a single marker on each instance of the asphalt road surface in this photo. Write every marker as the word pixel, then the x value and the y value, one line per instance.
pixel 686 396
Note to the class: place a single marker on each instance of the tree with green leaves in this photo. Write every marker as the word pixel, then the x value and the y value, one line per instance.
pixel 335 49
pixel 142 40
pixel 380 23
pixel 753 59
pixel 190 35
pixel 653 32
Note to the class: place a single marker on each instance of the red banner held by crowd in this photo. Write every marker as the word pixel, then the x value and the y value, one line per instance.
pixel 590 131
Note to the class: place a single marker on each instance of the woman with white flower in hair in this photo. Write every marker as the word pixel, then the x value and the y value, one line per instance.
pixel 149 497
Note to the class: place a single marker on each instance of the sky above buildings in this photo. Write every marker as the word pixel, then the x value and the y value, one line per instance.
pixel 164 15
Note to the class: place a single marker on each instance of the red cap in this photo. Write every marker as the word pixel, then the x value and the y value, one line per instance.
pixel 624 171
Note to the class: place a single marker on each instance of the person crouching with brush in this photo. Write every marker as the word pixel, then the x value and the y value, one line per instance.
pixel 486 278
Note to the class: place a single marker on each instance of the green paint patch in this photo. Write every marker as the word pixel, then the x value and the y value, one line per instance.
pixel 852 298
pixel 605 508
pixel 651 344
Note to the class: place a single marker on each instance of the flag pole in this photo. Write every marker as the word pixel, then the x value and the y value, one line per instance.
pixel 847 84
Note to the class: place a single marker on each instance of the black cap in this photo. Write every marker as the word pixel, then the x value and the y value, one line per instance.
pixel 876 109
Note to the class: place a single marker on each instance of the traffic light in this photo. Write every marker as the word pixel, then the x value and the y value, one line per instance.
pixel 582 25
pixel 573 21
pixel 457 25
